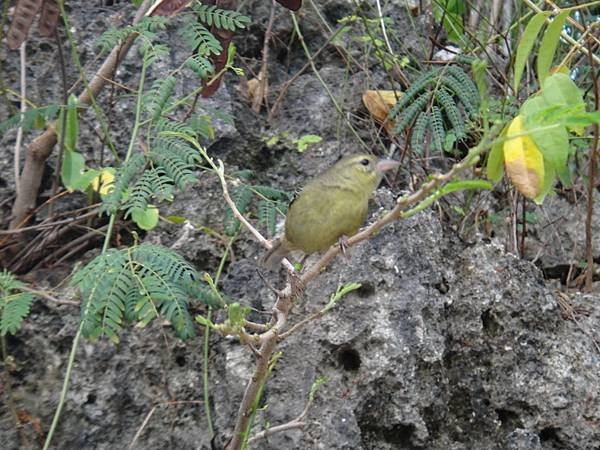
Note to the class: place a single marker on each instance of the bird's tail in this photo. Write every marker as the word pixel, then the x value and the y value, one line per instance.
pixel 272 259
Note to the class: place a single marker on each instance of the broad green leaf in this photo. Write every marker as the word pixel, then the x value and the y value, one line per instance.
pixel 558 89
pixel 85 180
pixel 495 162
pixel 524 161
pixel 146 219
pixel 72 125
pixel 526 45
pixel 73 164
pixel 548 45
pixel 550 175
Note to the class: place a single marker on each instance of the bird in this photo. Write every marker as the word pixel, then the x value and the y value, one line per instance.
pixel 330 208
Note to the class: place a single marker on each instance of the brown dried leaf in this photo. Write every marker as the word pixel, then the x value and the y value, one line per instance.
pixel 49 18
pixel 25 11
pixel 294 5
pixel 378 104
pixel 167 8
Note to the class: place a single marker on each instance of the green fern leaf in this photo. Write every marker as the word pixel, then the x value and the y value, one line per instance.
pixel 125 176
pixel 411 112
pixel 200 65
pixel 419 131
pixel 437 128
pixel 32 118
pixel 221 18
pixel 446 103
pixel 14 304
pixel 241 196
pixel 200 39
pixel 157 98
pixel 416 88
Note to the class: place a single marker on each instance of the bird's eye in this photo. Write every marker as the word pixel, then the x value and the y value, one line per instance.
pixel 364 162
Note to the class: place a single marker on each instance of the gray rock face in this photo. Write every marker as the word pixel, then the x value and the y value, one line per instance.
pixel 442 347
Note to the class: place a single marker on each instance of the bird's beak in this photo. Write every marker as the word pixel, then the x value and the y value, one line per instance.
pixel 384 165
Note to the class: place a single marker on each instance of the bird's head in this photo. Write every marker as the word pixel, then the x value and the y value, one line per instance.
pixel 365 171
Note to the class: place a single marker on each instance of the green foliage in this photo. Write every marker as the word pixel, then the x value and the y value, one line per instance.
pixel 33 118
pixel 417 139
pixel 221 18
pixel 549 115
pixel 137 284
pixel 146 29
pixel 200 39
pixel 440 100
pixel 450 13
pixel 270 203
pixel 14 303
pixel 547 47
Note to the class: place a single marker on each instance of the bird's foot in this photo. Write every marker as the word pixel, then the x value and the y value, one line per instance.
pixel 343 242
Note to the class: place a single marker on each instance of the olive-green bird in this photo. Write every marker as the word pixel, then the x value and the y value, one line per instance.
pixel 333 206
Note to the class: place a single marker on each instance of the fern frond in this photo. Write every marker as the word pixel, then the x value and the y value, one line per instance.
pixel 125 176
pixel 241 196
pixel 164 124
pixel 202 126
pixel 32 118
pixel 419 131
pixel 157 98
pixel 113 37
pixel 153 184
pixel 137 284
pixel 221 18
pixel 267 215
pixel 411 112
pixel 271 192
pixel 200 65
pixel 14 303
pixel 437 128
pixel 465 80
pixel 461 93
pixel 178 147
pixel 175 168
pixel 200 39
pixel 419 85
pixel 447 104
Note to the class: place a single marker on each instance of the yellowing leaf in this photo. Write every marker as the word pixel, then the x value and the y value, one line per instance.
pixel 524 162
pixel 378 104
pixel 104 181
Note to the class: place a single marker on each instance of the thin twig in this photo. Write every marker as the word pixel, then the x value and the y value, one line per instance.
pixel 46 296
pixel 149 416
pixel 23 108
pixel 263 79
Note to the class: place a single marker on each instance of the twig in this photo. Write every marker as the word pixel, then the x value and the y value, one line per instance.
pixel 23 108
pixel 263 79
pixel 149 416
pixel 589 274
pixel 48 297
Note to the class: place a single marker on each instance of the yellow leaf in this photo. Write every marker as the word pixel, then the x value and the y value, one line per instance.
pixel 523 160
pixel 379 103
pixel 103 183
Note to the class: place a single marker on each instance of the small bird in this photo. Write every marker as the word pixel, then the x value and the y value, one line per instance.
pixel 329 208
